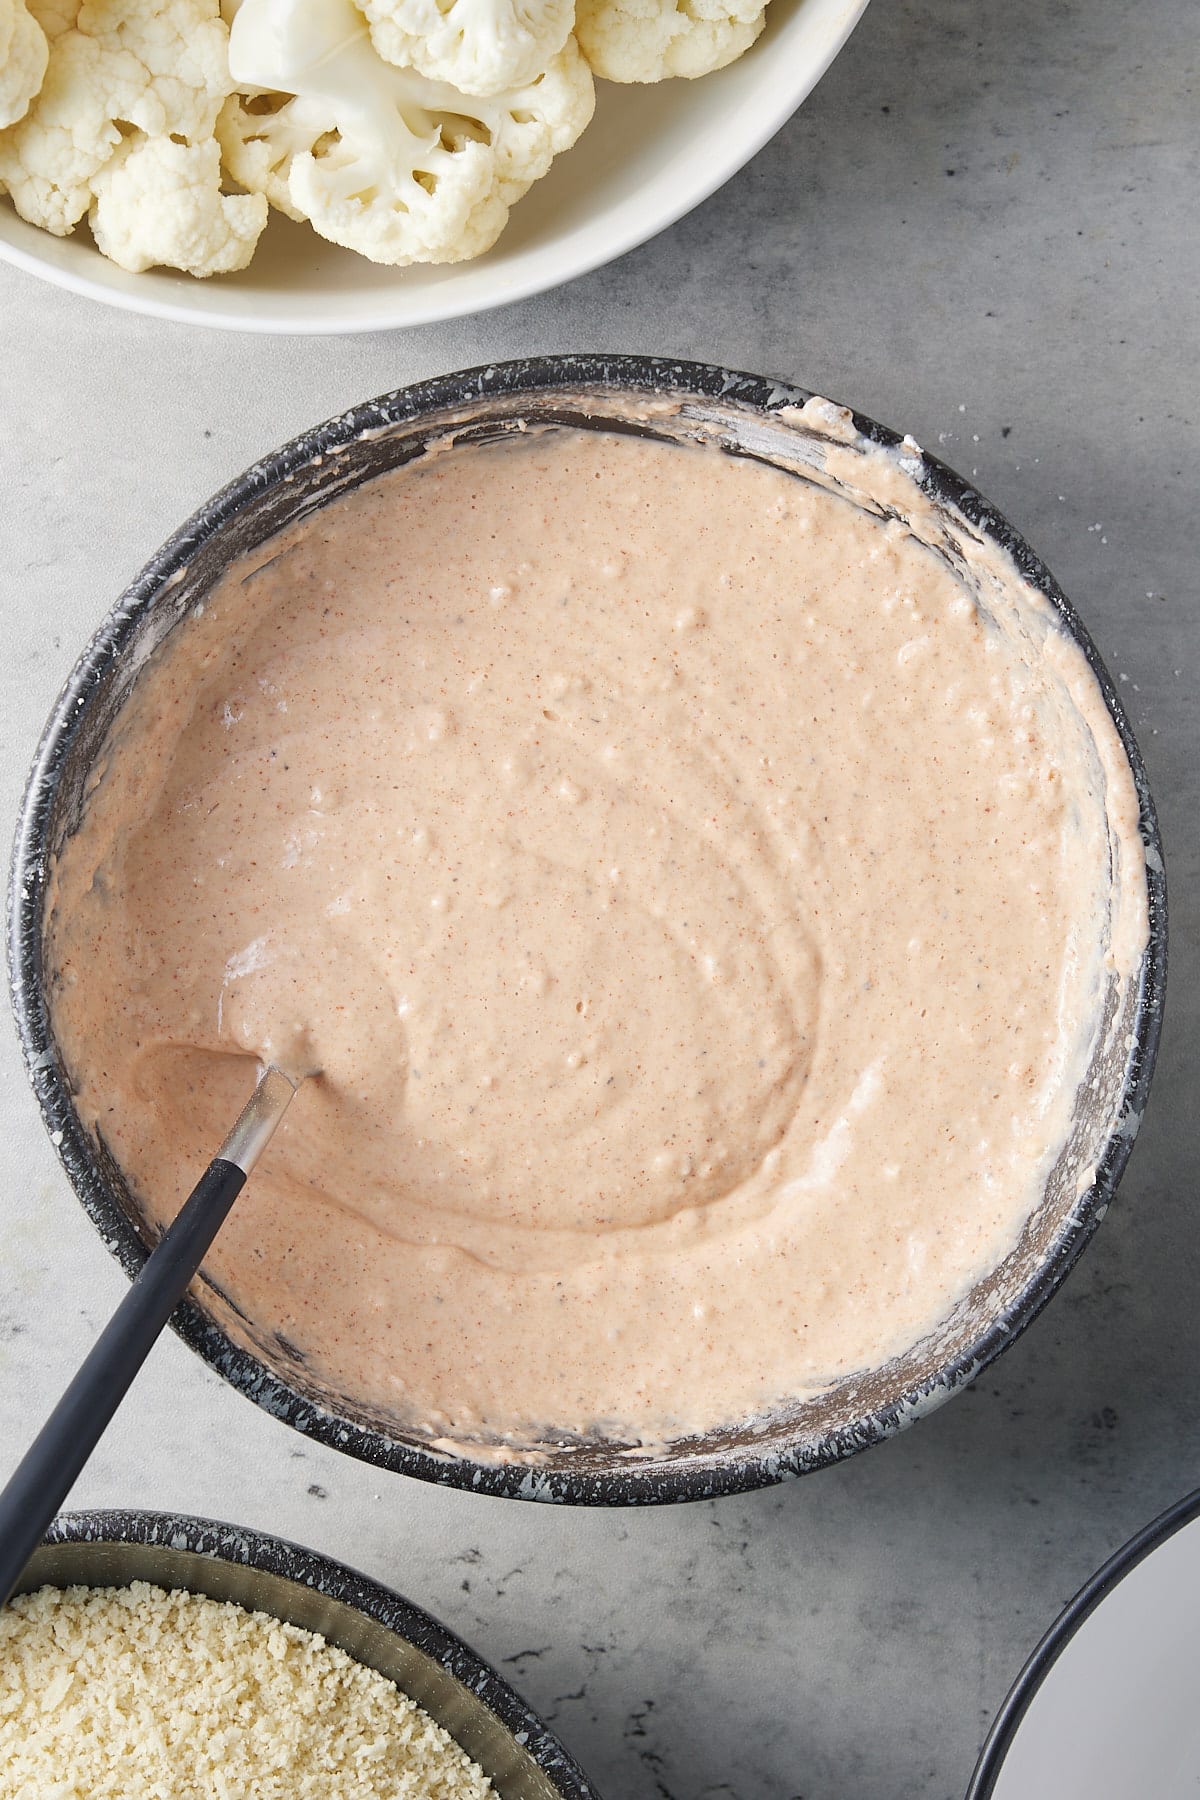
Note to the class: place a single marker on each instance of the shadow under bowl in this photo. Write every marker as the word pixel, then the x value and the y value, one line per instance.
pixel 747 416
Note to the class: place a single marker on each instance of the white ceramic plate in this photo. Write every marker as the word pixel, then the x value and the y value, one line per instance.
pixel 649 156
pixel 1108 1706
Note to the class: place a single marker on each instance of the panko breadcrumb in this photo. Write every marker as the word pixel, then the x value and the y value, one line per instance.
pixel 138 1693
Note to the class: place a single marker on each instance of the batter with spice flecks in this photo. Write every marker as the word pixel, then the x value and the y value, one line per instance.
pixel 697 893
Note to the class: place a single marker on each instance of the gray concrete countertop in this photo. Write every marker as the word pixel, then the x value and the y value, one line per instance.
pixel 980 229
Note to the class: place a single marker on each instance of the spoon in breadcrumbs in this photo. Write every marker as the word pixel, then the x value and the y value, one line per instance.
pixel 46 1473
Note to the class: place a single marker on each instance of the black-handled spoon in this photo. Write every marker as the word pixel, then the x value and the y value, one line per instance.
pixel 47 1471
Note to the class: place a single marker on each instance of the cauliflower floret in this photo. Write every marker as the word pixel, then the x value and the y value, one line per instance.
pixel 161 202
pixel 649 40
pixel 24 53
pixel 117 67
pixel 480 46
pixel 54 16
pixel 380 159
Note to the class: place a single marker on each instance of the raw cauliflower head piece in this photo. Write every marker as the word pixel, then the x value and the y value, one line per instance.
pixel 650 40
pixel 157 201
pixel 24 54
pixel 480 46
pixel 117 68
pixel 379 159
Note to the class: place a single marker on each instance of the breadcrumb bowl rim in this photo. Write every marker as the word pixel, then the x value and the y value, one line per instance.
pixel 373 1624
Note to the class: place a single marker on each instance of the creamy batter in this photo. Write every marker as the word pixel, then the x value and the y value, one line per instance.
pixel 696 899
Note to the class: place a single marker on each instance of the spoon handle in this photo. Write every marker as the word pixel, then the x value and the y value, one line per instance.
pixel 47 1471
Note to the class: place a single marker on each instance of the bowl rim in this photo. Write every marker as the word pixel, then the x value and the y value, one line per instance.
pixel 244 1547
pixel 537 274
pixel 1073 1617
pixel 693 1477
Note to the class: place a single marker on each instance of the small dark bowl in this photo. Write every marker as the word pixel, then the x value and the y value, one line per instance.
pixel 522 1758
pixel 741 412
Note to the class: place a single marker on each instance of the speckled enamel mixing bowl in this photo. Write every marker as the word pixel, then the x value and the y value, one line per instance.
pixel 523 1759
pixel 483 404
